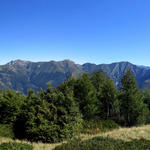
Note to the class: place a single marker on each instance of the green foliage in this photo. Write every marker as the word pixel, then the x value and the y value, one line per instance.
pixel 38 120
pixel 128 82
pixel 100 143
pixel 146 97
pixel 146 100
pixel 108 104
pixel 49 117
pixel 85 95
pixel 133 109
pixel 10 104
pixel 94 127
pixel 6 131
pixel 98 79
pixel 68 113
pixel 15 146
pixel 109 101
pixel 56 114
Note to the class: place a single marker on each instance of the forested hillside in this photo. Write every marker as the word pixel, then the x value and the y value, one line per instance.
pixel 88 104
pixel 21 75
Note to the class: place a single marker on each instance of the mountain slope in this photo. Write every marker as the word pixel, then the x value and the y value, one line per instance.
pixel 116 71
pixel 21 75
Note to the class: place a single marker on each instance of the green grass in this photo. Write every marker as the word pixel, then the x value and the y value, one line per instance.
pixel 15 146
pixel 101 143
pixel 135 138
pixel 94 127
pixel 6 131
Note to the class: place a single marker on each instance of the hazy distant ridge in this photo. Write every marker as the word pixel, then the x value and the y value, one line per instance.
pixel 21 75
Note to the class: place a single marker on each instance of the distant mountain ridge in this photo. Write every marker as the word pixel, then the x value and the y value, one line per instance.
pixel 21 75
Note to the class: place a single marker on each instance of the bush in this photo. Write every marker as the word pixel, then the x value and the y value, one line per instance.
pixel 100 143
pixel 6 131
pixel 49 117
pixel 36 122
pixel 15 146
pixel 94 127
pixel 10 106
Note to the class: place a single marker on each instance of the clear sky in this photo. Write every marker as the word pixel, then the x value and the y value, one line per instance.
pixel 96 31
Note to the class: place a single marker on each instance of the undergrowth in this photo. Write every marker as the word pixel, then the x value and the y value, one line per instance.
pixel 101 143
pixel 15 146
pixel 6 131
pixel 94 127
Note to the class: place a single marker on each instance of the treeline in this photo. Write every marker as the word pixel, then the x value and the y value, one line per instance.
pixel 59 113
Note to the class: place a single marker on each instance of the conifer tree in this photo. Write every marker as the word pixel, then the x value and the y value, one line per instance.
pixel 85 95
pixel 133 110
pixel 109 102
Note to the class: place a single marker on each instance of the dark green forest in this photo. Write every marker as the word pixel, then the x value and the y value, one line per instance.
pixel 77 104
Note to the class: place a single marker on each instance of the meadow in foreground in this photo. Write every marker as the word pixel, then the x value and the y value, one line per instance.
pixel 135 138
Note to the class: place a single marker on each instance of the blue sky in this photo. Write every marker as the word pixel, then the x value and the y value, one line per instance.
pixel 96 31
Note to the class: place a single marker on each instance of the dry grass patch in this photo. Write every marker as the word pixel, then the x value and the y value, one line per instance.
pixel 130 133
pixel 42 146
pixel 125 134
pixel 36 146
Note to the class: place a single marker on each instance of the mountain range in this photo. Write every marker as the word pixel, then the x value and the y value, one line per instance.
pixel 21 75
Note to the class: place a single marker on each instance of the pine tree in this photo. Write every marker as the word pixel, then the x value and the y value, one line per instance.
pixel 37 121
pixel 133 110
pixel 10 106
pixel 98 79
pixel 85 95
pixel 69 117
pixel 146 97
pixel 109 102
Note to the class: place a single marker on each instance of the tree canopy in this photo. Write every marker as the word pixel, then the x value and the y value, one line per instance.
pixel 55 114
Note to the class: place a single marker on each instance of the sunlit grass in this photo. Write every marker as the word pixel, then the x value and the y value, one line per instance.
pixel 125 134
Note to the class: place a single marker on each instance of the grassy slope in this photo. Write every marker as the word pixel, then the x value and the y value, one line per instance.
pixel 126 134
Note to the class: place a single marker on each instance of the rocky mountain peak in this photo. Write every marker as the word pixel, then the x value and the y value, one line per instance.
pixel 21 75
pixel 18 62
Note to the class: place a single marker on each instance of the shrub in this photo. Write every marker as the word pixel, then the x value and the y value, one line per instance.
pixel 94 127
pixel 48 117
pixel 10 106
pixel 37 121
pixel 6 131
pixel 15 146
pixel 100 143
